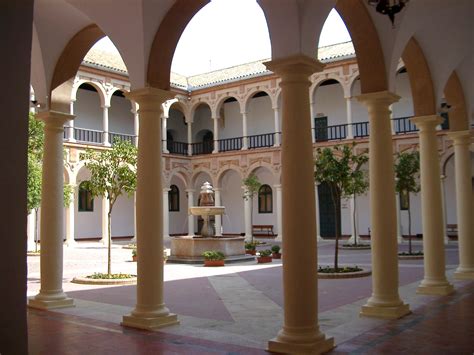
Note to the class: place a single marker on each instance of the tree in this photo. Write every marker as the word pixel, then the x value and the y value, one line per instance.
pixel 252 185
pixel 113 173
pixel 340 168
pixel 407 179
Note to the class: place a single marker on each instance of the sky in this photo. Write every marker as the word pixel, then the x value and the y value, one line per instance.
pixel 215 38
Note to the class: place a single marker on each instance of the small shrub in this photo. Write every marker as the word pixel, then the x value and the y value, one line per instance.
pixel 266 252
pixel 276 249
pixel 213 255
pixel 250 245
pixel 134 252
pixel 100 275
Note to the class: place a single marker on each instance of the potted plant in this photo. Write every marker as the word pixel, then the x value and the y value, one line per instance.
pixel 165 256
pixel 264 256
pixel 134 254
pixel 276 252
pixel 213 258
pixel 250 248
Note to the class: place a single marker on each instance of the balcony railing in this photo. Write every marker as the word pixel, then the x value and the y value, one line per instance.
pixel 179 148
pixel 404 125
pixel 261 140
pixel 121 137
pixel 202 148
pixel 88 135
pixel 360 129
pixel 229 144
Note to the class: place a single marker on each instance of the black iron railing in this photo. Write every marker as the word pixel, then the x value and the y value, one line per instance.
pixel 229 144
pixel 404 125
pixel 88 135
pixel 121 137
pixel 261 140
pixel 179 148
pixel 202 148
pixel 360 129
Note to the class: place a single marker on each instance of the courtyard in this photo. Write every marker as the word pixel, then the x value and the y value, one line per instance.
pixel 235 309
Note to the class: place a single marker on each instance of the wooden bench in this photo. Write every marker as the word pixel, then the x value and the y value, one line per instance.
pixel 452 230
pixel 263 230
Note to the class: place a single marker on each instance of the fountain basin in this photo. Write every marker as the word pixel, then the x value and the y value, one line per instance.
pixel 207 210
pixel 188 249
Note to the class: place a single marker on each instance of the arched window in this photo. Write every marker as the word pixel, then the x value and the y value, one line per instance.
pixel 173 198
pixel 265 199
pixel 86 201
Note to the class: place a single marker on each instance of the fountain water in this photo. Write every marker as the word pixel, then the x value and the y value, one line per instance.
pixel 189 249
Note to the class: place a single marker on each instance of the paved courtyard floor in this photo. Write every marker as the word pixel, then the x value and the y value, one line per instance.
pixel 236 309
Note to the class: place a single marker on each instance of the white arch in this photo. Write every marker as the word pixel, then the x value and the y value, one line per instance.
pixel 97 85
pixel 246 100
pixel 331 76
pixel 226 169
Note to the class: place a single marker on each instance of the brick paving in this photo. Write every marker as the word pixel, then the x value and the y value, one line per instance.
pixel 238 308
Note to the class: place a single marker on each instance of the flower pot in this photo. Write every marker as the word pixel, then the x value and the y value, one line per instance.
pixel 264 259
pixel 213 262
pixel 134 258
pixel 276 255
pixel 250 251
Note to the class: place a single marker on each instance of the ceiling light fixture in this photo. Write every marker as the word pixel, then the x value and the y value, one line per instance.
pixel 388 7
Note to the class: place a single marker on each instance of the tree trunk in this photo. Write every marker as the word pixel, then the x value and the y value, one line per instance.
pixel 109 237
pixel 409 230
pixel 36 230
pixel 354 220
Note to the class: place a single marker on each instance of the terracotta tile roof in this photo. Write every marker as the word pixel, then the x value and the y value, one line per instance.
pixel 113 62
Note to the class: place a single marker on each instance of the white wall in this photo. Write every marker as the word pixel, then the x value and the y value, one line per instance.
pixel 123 219
pixel 178 221
pixel 260 116
pixel 404 107
pixel 231 124
pixel 330 102
pixel 87 110
pixel 202 121
pixel 120 115
pixel 175 124
pixel 233 221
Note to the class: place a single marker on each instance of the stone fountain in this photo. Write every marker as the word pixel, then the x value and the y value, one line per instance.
pixel 189 249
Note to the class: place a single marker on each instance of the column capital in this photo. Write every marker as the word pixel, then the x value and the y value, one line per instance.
pixel 149 98
pixel 166 189
pixel 385 98
pixel 190 191
pixel 296 67
pixel 426 123
pixel 277 186
pixel 217 189
pixel 460 137
pixel 105 106
pixel 54 119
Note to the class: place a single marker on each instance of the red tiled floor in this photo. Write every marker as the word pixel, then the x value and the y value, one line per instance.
pixel 56 333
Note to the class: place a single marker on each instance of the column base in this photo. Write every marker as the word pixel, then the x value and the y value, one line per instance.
pixel 320 239
pixel 441 289
pixel 50 304
pixel 467 274
pixel 300 343
pixel 353 238
pixel 393 312
pixel 400 240
pixel 149 323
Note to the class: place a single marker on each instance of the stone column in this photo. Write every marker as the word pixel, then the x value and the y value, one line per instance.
pixel 312 114
pixel 70 211
pixel 445 211
pixel 244 131
pixel 164 120
pixel 104 218
pixel 434 281
pixel 350 133
pixel 464 204
pixel 318 222
pixel 300 332
pixel 354 224
pixel 150 311
pixel 31 224
pixel 105 125
pixel 276 114
pixel 399 219
pixel 217 202
pixel 385 301
pixel 190 138
pixel 70 134
pixel 136 126
pixel 216 135
pixel 51 294
pixel 247 216
pixel 190 193
pixel 279 212
pixel 166 214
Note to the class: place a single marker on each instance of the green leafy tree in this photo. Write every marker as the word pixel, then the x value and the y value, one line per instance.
pixel 340 168
pixel 113 173
pixel 407 180
pixel 252 185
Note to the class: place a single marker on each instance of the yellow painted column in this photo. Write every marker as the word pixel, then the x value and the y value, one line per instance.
pixel 434 281
pixel 385 301
pixel 300 332
pixel 150 311
pixel 51 294
pixel 464 204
